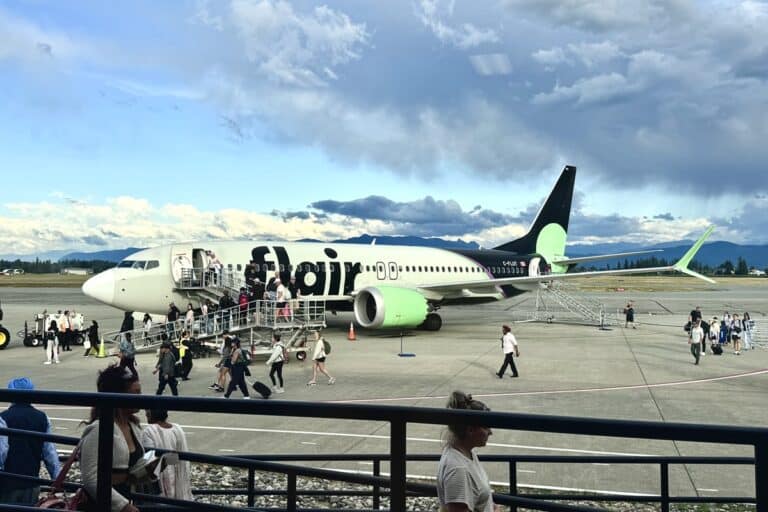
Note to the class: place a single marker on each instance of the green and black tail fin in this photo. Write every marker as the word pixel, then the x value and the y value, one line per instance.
pixel 546 235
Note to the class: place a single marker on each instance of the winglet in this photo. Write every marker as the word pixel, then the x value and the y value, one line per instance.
pixel 682 263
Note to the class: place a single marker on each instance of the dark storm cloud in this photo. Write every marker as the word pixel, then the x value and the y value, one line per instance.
pixel 423 217
pixel 664 216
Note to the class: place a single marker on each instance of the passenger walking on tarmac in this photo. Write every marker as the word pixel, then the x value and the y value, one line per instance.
pixel 65 331
pixel 166 368
pixel 240 360
pixel 736 330
pixel 462 483
pixel 22 455
pixel 746 324
pixel 511 351
pixel 127 353
pixel 160 433
pixel 52 343
pixel 629 316
pixel 224 364
pixel 127 325
pixel 147 323
pixel 318 360
pixel 170 318
pixel 275 361
pixel 185 355
pixel 93 338
pixel 695 338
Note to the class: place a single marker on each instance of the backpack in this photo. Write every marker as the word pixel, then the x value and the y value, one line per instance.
pixel 326 347
pixel 285 354
pixel 245 357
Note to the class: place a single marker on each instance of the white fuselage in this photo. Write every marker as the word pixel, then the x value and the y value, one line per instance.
pixel 148 280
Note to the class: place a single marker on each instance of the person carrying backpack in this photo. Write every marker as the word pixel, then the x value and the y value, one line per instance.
pixel 276 361
pixel 240 360
pixel 322 349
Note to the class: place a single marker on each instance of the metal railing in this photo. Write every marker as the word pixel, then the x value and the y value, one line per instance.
pixel 297 314
pixel 399 417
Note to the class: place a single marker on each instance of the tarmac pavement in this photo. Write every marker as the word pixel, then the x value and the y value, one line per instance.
pixel 574 370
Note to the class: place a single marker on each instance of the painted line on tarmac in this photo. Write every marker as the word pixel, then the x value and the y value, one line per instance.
pixel 561 391
pixel 386 438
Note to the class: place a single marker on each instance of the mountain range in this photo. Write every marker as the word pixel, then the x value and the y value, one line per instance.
pixel 712 254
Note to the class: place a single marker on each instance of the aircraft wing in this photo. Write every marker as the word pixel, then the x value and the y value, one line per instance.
pixel 680 266
pixel 598 257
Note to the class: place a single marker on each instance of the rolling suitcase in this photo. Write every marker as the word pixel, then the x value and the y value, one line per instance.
pixel 262 389
pixel 717 349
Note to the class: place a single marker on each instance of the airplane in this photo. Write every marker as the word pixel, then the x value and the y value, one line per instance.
pixel 384 286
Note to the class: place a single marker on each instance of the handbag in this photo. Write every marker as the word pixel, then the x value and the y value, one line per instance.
pixel 57 498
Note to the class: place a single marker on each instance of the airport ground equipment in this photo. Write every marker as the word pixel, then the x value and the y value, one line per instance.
pixel 254 323
pixel 36 336
pixel 760 333
pixel 558 301
pixel 5 336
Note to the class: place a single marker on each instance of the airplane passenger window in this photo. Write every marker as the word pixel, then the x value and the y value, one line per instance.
pixel 239 267
pixel 153 264
pixel 400 268
pixel 125 264
pixel 367 268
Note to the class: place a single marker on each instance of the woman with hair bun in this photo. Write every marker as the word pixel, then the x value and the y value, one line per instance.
pixel 462 483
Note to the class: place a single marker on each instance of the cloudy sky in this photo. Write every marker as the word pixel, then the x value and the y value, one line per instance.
pixel 143 122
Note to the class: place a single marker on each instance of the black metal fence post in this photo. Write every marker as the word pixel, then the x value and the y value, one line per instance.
pixel 104 464
pixel 251 487
pixel 761 474
pixel 513 482
pixel 397 464
pixel 664 491
pixel 290 506
pixel 376 488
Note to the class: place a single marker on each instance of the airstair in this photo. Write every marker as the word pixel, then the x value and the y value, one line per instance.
pixel 559 301
pixel 760 333
pixel 254 323
pixel 203 283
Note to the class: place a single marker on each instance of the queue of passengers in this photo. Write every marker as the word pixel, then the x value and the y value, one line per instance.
pixel 730 330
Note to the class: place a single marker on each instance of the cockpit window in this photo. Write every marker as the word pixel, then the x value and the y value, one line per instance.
pixel 152 264
pixel 126 264
pixel 139 265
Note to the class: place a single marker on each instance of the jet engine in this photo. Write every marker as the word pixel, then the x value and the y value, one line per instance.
pixel 389 307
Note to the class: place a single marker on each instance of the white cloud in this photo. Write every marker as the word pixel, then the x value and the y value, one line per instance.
pixel 293 48
pixel 490 64
pixel 596 89
pixel 33 45
pixel 594 54
pixel 551 57
pixel 433 14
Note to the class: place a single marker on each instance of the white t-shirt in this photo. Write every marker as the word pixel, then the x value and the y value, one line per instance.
pixel 509 342
pixel 697 335
pixel 463 480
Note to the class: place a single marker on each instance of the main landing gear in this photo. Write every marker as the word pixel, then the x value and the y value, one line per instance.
pixel 5 336
pixel 433 322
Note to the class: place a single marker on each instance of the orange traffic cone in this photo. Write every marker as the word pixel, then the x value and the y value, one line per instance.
pixel 351 335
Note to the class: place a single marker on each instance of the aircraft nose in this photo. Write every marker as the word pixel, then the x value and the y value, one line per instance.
pixel 101 287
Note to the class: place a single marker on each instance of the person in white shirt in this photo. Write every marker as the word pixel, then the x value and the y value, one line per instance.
pixel 462 483
pixel 511 350
pixel 174 479
pixel 695 339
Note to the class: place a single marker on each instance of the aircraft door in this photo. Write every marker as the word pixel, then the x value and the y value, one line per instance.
pixel 181 262
pixel 381 271
pixel 533 267
pixel 392 270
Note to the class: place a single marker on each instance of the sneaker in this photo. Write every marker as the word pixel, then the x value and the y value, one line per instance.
pixel 311 383
pixel 703 354
pixel 500 375
pixel 279 390
pixel 57 361
pixel 47 362
pixel 246 398
pixel 213 386
pixel 332 380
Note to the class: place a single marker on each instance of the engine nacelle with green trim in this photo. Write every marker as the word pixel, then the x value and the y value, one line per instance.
pixel 382 307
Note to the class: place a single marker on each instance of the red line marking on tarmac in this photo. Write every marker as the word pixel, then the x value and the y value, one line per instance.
pixel 565 391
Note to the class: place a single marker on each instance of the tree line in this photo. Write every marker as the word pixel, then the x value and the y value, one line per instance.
pixel 54 267
pixel 741 268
